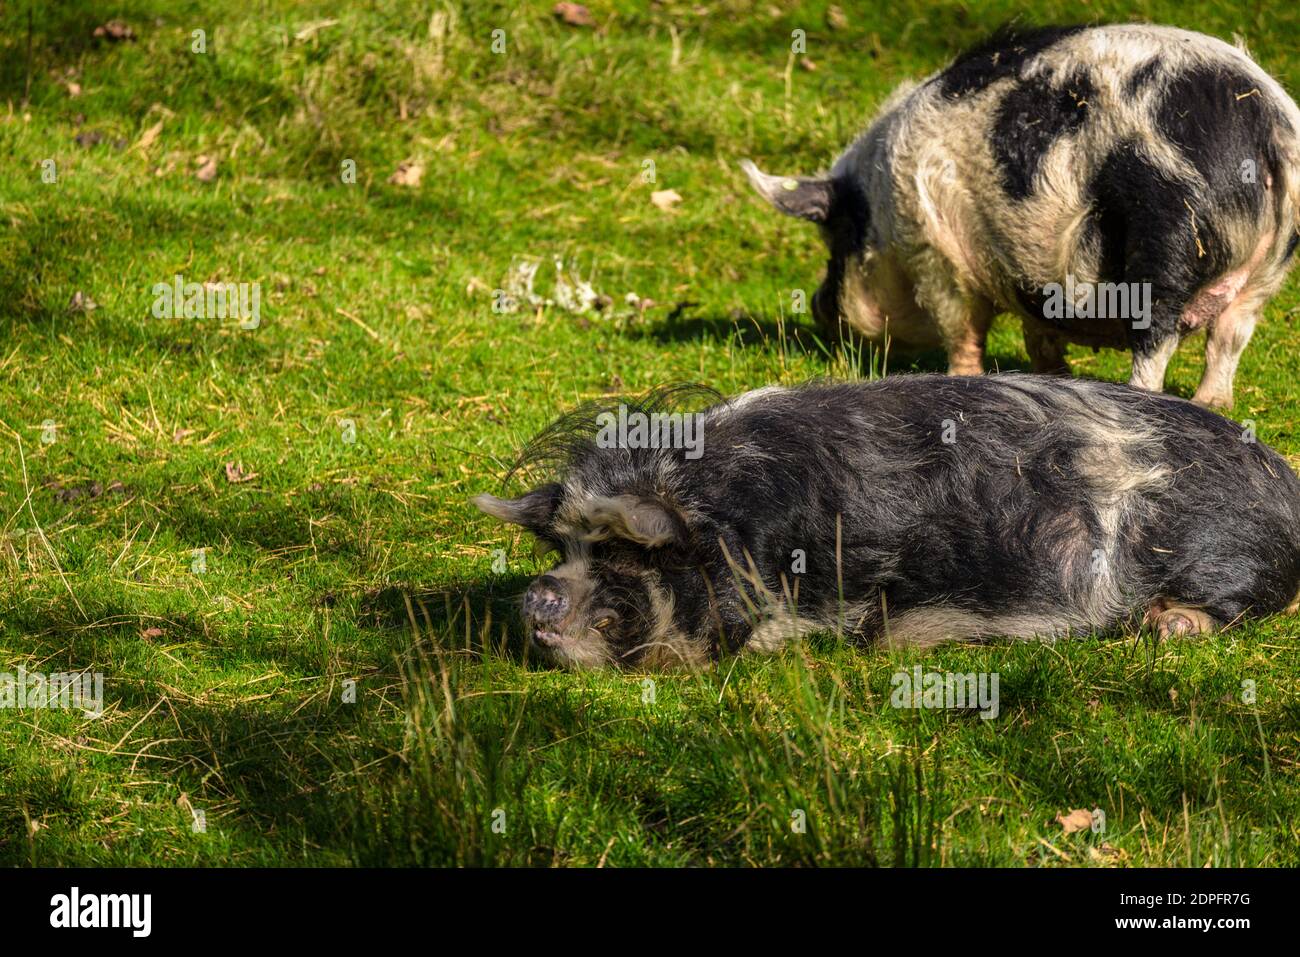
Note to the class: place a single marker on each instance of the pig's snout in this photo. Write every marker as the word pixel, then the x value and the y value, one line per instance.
pixel 546 602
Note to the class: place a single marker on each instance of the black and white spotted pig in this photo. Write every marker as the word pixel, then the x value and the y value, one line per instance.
pixel 1154 170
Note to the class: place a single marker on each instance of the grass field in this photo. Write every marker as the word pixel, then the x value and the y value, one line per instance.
pixel 244 529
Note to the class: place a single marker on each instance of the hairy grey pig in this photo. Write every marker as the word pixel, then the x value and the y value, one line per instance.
pixel 909 510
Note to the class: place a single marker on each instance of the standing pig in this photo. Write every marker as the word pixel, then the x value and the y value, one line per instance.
pixel 1118 186
pixel 910 510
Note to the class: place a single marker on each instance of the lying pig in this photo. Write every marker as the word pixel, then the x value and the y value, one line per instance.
pixel 909 510
pixel 1118 186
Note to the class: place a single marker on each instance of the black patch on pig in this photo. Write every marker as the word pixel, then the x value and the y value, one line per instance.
pixel 1218 118
pixel 1003 54
pixel 1143 75
pixel 1033 116
pixel 846 235
pixel 1141 222
pixel 849 217
pixel 1290 247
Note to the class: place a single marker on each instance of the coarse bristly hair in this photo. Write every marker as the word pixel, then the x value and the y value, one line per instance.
pixel 910 510
pixel 573 435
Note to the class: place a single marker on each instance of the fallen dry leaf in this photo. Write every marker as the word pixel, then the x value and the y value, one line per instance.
pixel 207 170
pixel 74 88
pixel 835 18
pixel 1106 853
pixel 313 28
pixel 665 199
pixel 408 173
pixel 1077 820
pixel 149 136
pixel 151 633
pixel 235 473
pixel 115 30
pixel 574 14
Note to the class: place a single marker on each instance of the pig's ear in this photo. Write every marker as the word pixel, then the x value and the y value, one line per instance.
pixel 645 521
pixel 532 510
pixel 809 199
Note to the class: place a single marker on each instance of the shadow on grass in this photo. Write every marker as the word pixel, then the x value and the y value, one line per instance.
pixel 41 38
pixel 745 330
pixel 756 330
pixel 59 245
pixel 455 728
pixel 474 616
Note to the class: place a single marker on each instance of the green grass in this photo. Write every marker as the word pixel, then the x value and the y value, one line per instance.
pixel 361 561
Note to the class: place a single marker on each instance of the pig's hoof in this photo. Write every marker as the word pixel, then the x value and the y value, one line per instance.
pixel 1213 400
pixel 1178 622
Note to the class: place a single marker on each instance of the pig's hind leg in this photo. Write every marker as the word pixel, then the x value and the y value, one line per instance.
pixel 1226 339
pixel 1169 618
pixel 1223 588
pixel 1228 310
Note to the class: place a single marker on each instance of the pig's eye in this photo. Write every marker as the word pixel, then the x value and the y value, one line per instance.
pixel 604 618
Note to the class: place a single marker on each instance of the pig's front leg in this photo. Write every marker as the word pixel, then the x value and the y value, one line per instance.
pixel 964 336
pixel 962 319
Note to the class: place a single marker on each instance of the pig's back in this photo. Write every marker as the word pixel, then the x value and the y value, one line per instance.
pixel 1013 489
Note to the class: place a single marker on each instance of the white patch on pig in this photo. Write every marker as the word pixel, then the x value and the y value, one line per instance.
pixel 774 633
pixel 746 399
pixel 936 624
pixel 666 648
pixel 1117 486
